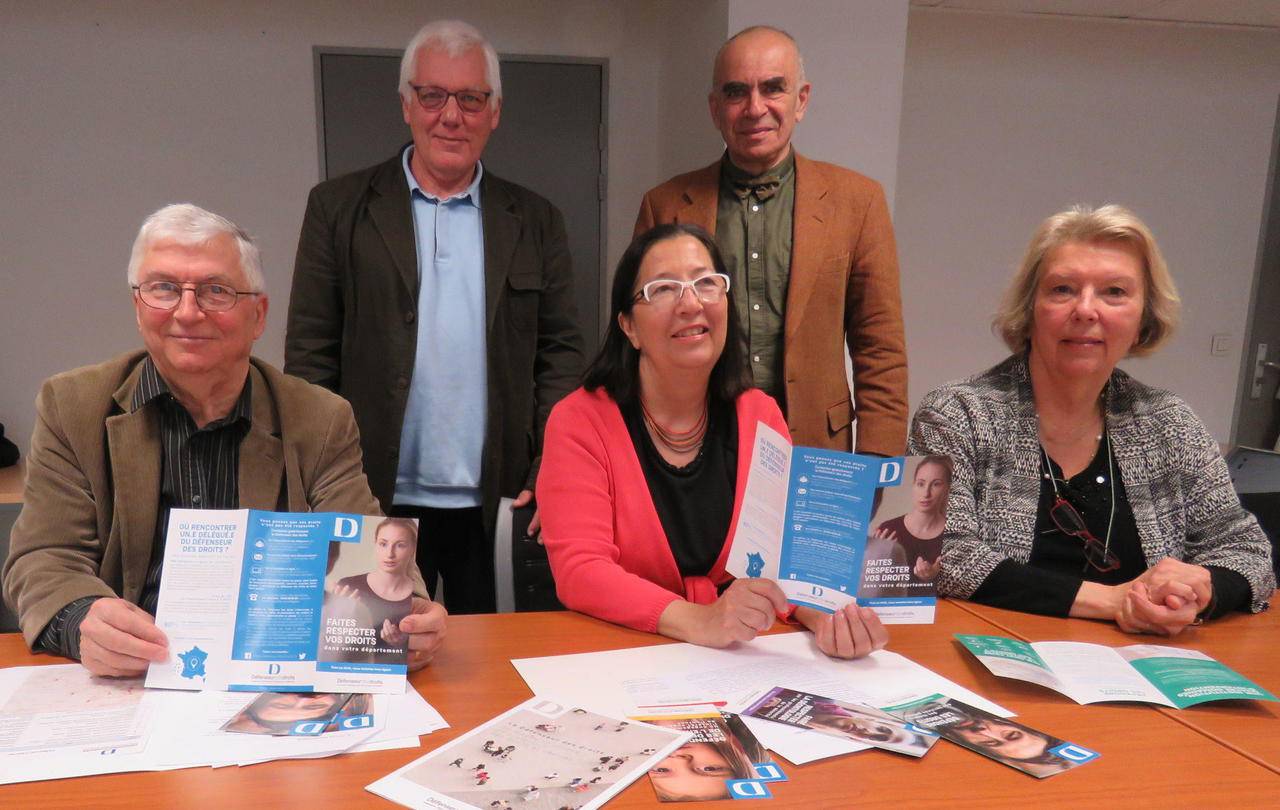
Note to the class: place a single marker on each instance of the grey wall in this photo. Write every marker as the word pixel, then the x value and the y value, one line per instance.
pixel 114 109
pixel 1006 120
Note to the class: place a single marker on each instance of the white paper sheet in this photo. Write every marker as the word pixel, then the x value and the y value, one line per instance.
pixel 59 721
pixel 621 680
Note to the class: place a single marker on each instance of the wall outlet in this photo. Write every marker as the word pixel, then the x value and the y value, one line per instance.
pixel 1220 345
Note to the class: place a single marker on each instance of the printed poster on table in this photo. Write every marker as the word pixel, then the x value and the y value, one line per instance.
pixel 835 527
pixel 540 755
pixel 285 602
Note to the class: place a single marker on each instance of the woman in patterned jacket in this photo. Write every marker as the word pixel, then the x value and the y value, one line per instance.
pixel 1077 490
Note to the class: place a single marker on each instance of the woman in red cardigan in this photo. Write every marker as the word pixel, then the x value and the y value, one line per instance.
pixel 644 467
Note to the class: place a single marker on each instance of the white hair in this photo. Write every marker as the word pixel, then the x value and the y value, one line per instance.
pixel 191 225
pixel 455 38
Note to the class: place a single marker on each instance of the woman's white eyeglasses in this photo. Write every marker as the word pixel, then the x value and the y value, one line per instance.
pixel 665 292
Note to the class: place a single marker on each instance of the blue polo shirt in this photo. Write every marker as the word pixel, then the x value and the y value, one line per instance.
pixel 442 441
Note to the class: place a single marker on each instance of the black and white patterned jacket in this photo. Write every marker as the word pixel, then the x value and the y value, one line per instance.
pixel 1176 480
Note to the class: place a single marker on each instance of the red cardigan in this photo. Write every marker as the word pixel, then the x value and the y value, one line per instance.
pixel 610 557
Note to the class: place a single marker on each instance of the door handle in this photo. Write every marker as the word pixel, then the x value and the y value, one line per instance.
pixel 1260 365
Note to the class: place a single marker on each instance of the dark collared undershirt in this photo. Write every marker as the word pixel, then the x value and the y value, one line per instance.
pixel 753 232
pixel 199 469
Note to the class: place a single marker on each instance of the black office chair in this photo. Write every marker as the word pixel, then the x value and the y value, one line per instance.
pixel 1256 477
pixel 521 570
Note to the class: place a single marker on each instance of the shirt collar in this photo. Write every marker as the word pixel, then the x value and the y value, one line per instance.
pixel 471 194
pixel 731 174
pixel 151 386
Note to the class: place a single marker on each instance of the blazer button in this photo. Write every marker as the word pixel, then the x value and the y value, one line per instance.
pixel 402 382
pixel 409 316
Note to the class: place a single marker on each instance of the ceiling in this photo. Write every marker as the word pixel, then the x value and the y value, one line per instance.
pixel 1252 13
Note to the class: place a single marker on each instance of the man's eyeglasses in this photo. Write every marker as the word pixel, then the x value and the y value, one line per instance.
pixel 665 292
pixel 1069 521
pixel 434 98
pixel 210 296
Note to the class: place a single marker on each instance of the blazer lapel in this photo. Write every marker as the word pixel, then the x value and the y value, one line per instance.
pixel 700 199
pixel 133 445
pixel 262 451
pixel 502 226
pixel 392 216
pixel 811 219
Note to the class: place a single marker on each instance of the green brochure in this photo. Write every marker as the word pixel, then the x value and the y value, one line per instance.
pixel 1095 673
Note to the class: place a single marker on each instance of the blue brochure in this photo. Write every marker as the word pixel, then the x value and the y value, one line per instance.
pixel 285 602
pixel 835 527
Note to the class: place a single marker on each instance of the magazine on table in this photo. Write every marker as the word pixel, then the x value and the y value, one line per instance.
pixel 285 602
pixel 1095 673
pixel 540 754
pixel 834 528
pixel 1006 741
pixel 722 760
pixel 851 721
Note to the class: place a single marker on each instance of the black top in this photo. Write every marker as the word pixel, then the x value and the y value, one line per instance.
pixel 371 612
pixel 694 502
pixel 1048 582
pixel 199 469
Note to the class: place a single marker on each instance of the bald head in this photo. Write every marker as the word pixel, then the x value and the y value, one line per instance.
pixel 757 36
pixel 758 95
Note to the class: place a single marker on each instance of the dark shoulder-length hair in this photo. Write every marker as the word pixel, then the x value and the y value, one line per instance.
pixel 616 367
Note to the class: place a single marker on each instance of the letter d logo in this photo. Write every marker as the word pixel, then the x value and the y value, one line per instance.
pixel 1074 753
pixel 345 527
pixel 747 789
pixel 548 708
pixel 273 669
pixel 890 471
pixel 309 728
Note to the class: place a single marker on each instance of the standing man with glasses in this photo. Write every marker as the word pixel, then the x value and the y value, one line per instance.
pixel 810 249
pixel 192 422
pixel 436 297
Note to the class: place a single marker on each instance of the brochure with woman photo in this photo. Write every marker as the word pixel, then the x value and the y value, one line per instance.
pixel 1009 743
pixel 722 760
pixel 300 714
pixel 832 527
pixel 850 721
pixel 540 755
pixel 285 602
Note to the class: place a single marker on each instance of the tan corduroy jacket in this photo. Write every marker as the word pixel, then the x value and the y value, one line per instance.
pixel 92 495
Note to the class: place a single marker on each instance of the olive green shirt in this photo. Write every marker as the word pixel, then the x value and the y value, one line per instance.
pixel 753 231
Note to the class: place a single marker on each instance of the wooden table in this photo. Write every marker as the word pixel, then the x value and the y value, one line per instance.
pixel 1248 643
pixel 1147 758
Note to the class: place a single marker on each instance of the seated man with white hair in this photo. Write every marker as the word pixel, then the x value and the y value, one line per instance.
pixel 192 421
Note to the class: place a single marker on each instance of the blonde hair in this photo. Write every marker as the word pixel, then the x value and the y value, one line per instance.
pixel 1109 223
